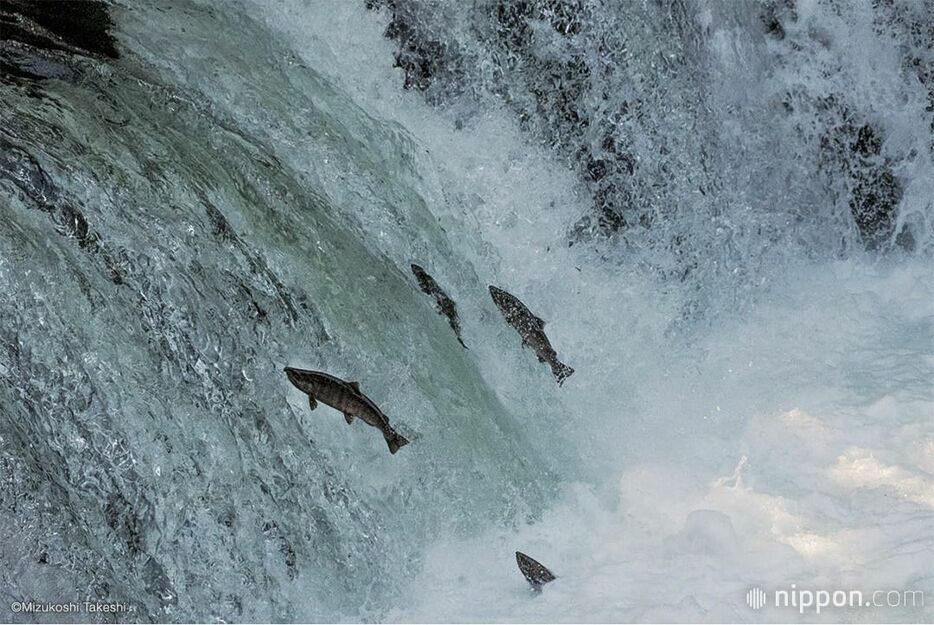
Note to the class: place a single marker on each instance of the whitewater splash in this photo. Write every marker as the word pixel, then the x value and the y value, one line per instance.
pixel 723 213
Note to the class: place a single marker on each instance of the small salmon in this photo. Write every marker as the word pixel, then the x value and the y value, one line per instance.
pixel 532 331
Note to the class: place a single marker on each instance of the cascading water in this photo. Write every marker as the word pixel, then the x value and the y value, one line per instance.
pixel 722 210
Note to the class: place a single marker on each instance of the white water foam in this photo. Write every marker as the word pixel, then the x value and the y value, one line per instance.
pixel 788 444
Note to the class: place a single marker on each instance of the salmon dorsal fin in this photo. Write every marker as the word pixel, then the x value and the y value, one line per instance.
pixel 355 386
pixel 539 322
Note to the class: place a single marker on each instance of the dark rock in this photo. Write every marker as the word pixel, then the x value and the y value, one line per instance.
pixel 855 152
pixel 83 25
pixel 776 14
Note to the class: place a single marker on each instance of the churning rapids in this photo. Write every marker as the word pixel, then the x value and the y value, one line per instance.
pixel 723 211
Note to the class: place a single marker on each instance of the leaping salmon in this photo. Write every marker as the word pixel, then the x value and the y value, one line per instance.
pixel 534 571
pixel 345 397
pixel 444 304
pixel 532 331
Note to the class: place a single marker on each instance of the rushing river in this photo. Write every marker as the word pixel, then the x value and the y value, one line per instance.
pixel 724 211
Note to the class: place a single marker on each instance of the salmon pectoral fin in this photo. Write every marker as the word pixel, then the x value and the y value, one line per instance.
pixel 312 402
pixel 348 418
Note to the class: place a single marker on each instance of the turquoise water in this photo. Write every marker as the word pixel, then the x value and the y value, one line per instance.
pixel 245 189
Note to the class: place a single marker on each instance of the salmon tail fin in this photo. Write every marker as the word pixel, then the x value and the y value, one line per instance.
pixel 562 372
pixel 395 441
